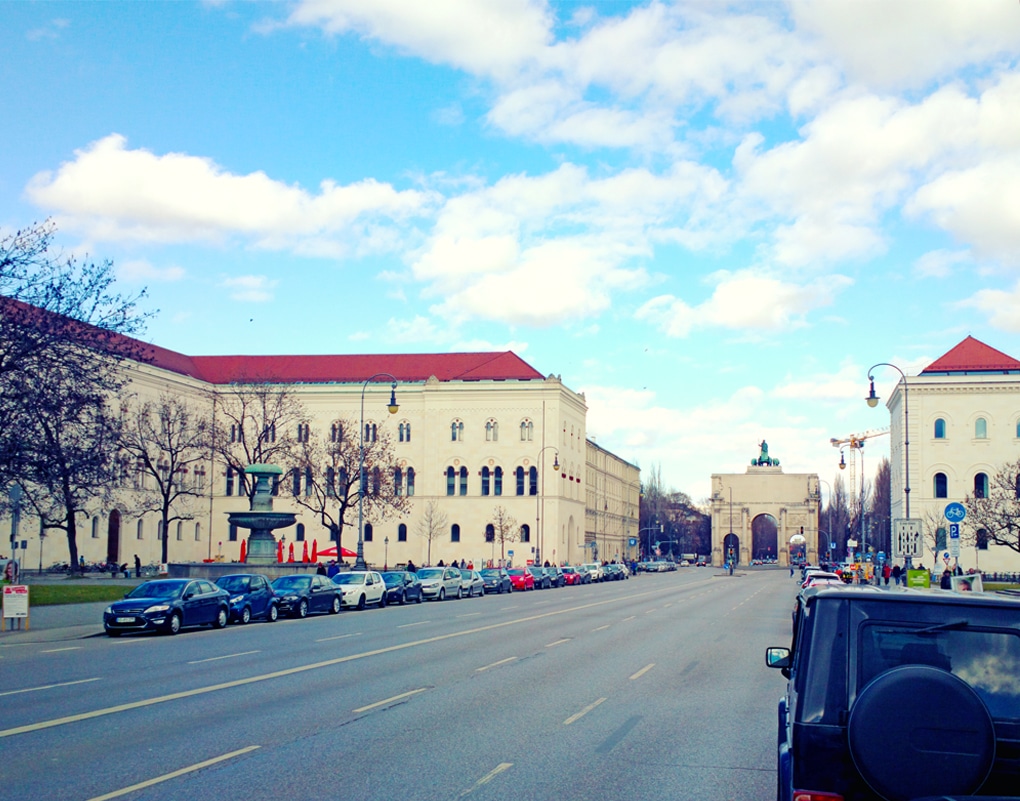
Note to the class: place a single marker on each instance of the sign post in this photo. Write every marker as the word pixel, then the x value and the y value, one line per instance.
pixel 15 605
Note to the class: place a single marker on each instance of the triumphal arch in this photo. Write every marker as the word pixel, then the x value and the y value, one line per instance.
pixel 764 513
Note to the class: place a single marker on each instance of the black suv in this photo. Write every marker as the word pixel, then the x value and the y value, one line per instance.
pixel 899 695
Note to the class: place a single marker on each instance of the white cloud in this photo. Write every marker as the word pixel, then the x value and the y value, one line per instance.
pixel 139 270
pixel 250 288
pixel 114 193
pixel 941 263
pixel 745 300
pixel 1002 306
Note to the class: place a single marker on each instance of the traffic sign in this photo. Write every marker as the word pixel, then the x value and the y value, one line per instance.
pixel 954 531
pixel 954 540
pixel 955 512
pixel 907 538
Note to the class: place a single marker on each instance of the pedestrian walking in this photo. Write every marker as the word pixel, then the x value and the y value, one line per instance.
pixel 138 567
pixel 886 573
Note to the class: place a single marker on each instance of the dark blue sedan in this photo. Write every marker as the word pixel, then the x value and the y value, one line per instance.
pixel 251 597
pixel 402 587
pixel 168 605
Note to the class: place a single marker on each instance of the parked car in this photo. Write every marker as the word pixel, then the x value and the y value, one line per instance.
pixel 360 588
pixel 402 587
pixel 168 605
pixel 521 578
pixel 251 597
pixel 496 580
pixel 303 594
pixel 573 575
pixel 555 574
pixel 542 581
pixel 471 583
pixel 595 570
pixel 440 583
pixel 907 694
pixel 614 572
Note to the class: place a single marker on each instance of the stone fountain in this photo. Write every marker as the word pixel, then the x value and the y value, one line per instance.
pixel 261 519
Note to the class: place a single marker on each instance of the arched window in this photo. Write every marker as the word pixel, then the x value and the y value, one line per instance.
pixel 336 433
pixel 940 428
pixel 527 430
pixel 525 533
pixel 981 428
pixel 368 532
pixel 981 485
pixel 308 482
pixel 457 431
pixel 398 481
pixel 485 481
pixel 198 532
pixel 376 480
pixel 491 431
pixel 330 482
pixel 463 481
pixel 232 532
pixel 404 430
pixel 230 481
pixel 371 432
pixel 159 530
pixel 451 483
pixel 180 531
pixel 296 489
pixel 455 533
pixel 981 539
pixel 519 475
pixel 497 481
pixel 300 532
pixel 490 533
pixel 402 532
pixel 533 481
pixel 95 528
pixel 410 482
pixel 941 486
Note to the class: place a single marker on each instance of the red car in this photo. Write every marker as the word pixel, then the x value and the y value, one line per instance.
pixel 521 579
pixel 571 576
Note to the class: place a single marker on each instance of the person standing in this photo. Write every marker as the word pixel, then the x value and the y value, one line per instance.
pixel 886 573
pixel 138 567
pixel 896 572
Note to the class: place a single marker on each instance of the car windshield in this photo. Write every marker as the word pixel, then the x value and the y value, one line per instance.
pixel 234 583
pixel 349 578
pixel 393 579
pixel 490 573
pixel 568 570
pixel 430 572
pixel 292 583
pixel 465 574
pixel 516 572
pixel 158 589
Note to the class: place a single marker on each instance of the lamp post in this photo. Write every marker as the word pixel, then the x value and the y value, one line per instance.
pixel 359 563
pixel 540 500
pixel 660 527
pixel 872 401
pixel 14 495
pixel 828 515
pixel 386 553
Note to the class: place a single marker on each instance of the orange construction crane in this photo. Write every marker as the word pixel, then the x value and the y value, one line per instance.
pixel 855 442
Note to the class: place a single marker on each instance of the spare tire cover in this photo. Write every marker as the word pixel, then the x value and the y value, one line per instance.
pixel 917 730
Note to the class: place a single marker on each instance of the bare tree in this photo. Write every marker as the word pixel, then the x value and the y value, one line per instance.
pixel 167 442
pixel 325 479
pixel 505 529
pixel 256 423
pixel 62 343
pixel 996 518
pixel 431 525
pixel 880 513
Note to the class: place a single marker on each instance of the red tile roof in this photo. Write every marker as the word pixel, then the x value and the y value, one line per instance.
pixel 973 356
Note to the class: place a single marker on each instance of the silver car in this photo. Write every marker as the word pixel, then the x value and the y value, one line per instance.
pixel 471 583
pixel 440 583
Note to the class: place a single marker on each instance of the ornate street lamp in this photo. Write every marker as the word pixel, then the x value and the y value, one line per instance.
pixel 540 501
pixel 872 401
pixel 359 563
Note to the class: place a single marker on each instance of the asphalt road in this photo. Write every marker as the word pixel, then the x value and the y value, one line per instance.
pixel 652 688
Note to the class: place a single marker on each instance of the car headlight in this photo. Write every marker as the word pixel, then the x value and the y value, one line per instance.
pixel 108 611
pixel 237 599
pixel 158 608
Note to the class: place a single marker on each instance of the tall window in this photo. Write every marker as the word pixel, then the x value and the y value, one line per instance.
pixel 336 433
pixel 300 535
pixel 410 482
pixel 235 432
pixel 159 530
pixel 519 474
pixel 981 428
pixel 198 532
pixel 95 528
pixel 527 430
pixel 940 428
pixel 371 432
pixel 200 478
pixel 308 482
pixel 490 533
pixel 981 539
pixel 451 483
pixel 457 431
pixel 230 481
pixel 485 480
pixel 140 529
pixel 398 481
pixel 232 533
pixel 180 531
pixel 376 480
pixel 455 533
pixel 402 532
pixel 297 481
pixel 269 433
pixel 463 481
pixel 303 432
pixel 533 481
pixel 330 486
pixel 491 431
pixel 368 532
pixel 404 430
pixel 941 486
pixel 525 533
pixel 981 485
pixel 497 481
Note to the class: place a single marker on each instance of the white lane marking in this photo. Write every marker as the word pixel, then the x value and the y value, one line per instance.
pixel 218 658
pixel 488 777
pixel 408 625
pixel 497 664
pixel 48 687
pixel 577 716
pixel 174 774
pixel 339 637
pixel 386 701
pixel 58 650
pixel 600 628
pixel 628 618
pixel 470 614
pixel 642 672
pixel 558 642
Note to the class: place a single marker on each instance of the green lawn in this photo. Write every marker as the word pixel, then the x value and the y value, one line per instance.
pixel 48 594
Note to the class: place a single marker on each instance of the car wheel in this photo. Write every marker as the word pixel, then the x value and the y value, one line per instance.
pixel 382 601
pixel 403 597
pixel 893 731
pixel 442 593
pixel 273 613
pixel 245 615
pixel 335 608
pixel 221 618
pixel 499 590
pixel 302 610
pixel 460 593
pixel 420 597
pixel 361 602
pixel 174 625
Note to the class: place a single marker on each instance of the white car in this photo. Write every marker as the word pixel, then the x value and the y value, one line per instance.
pixel 596 571
pixel 361 587
pixel 440 583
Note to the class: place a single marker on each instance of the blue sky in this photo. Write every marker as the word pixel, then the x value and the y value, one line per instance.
pixel 710 218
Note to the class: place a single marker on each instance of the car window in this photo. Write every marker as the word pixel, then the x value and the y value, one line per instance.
pixel 293 583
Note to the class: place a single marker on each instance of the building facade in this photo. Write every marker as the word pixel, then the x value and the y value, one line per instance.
pixel 612 506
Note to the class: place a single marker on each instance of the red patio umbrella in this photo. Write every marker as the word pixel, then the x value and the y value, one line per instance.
pixel 332 552
pixel 290 553
pixel 315 550
pixel 244 550
pixel 304 553
pixel 279 551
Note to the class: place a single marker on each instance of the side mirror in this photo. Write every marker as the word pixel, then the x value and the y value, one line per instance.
pixel 776 657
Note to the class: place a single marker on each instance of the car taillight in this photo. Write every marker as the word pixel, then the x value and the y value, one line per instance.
pixel 815 795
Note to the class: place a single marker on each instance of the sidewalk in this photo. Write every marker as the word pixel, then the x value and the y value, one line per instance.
pixel 57 622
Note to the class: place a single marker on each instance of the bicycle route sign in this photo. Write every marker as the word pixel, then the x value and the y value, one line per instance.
pixel 955 512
